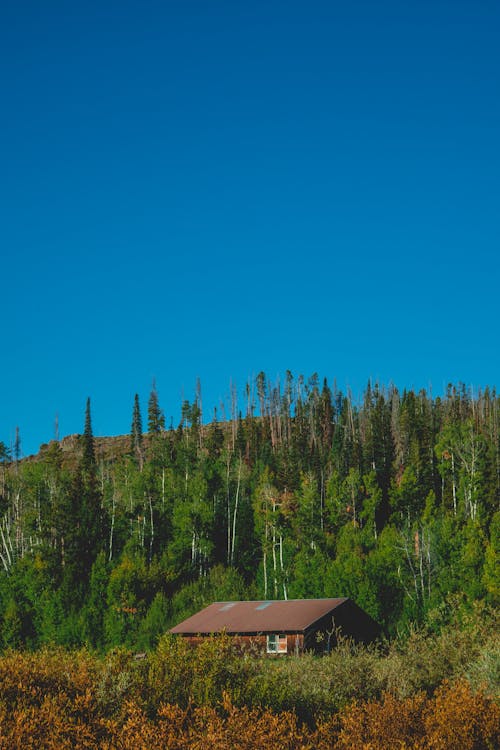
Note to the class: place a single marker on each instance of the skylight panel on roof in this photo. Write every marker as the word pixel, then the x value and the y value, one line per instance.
pixel 264 605
pixel 227 606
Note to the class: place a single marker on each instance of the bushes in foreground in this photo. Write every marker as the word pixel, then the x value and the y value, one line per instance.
pixel 425 693
pixel 308 686
pixel 455 717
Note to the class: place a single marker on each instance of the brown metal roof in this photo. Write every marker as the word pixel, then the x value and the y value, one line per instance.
pixel 294 615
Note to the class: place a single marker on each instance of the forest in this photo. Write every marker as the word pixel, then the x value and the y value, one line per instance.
pixel 294 490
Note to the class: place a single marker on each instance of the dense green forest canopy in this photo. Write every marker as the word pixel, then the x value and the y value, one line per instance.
pixel 302 492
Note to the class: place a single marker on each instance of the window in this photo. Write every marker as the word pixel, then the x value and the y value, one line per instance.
pixel 276 644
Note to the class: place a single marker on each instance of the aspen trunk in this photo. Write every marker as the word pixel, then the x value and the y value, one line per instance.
pixel 112 527
pixel 282 568
pixel 235 512
pixel 151 521
pixel 265 560
pixel 275 566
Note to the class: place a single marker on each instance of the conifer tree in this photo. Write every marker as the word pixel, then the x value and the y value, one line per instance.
pixel 4 453
pixel 90 515
pixel 88 458
pixel 156 420
pixel 82 522
pixel 136 432
pixel 17 446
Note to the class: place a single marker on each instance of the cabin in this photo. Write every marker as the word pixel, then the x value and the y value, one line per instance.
pixel 282 627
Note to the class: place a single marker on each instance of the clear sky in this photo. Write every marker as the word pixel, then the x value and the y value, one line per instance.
pixel 210 189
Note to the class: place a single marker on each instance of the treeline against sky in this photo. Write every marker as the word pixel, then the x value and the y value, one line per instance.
pixel 299 492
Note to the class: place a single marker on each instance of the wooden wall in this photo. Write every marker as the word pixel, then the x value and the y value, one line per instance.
pixel 257 644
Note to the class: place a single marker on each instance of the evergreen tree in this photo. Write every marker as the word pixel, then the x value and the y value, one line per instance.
pixel 83 523
pixel 492 561
pixel 17 446
pixel 88 458
pixel 95 605
pixel 156 420
pixel 4 453
pixel 136 433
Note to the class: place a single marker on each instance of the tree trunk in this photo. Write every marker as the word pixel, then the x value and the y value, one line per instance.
pixel 235 512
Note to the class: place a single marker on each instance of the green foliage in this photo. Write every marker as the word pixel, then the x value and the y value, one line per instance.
pixel 308 575
pixel 127 601
pixel 88 456
pixel 155 622
pixel 221 584
pixel 156 420
pixel 5 453
pixel 491 575
pixel 94 610
pixel 392 501
pixel 136 433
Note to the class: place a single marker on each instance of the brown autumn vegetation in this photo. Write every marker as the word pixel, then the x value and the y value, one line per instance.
pixel 455 717
pixel 214 698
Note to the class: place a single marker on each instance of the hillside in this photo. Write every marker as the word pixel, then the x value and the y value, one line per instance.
pixel 107 449
pixel 392 502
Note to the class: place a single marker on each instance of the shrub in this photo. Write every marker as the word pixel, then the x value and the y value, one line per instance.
pixel 460 718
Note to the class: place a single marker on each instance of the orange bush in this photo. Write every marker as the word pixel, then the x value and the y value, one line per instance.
pixel 391 723
pixel 454 719
pixel 53 725
pixel 462 719
pixel 53 701
pixel 206 728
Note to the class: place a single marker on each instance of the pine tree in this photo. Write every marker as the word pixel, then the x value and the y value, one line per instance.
pixel 91 502
pixel 156 420
pixel 88 458
pixel 136 432
pixel 83 522
pixel 4 453
pixel 17 446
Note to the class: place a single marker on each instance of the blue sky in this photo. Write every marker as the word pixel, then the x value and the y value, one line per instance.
pixel 210 189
